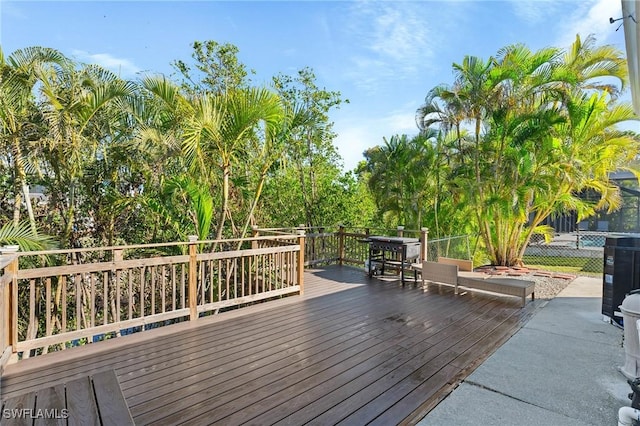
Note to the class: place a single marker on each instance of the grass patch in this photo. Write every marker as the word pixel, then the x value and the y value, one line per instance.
pixel 573 265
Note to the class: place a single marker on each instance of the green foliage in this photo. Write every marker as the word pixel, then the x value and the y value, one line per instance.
pixel 310 150
pixel 155 160
pixel 515 139
pixel 408 180
pixel 25 237
pixel 217 69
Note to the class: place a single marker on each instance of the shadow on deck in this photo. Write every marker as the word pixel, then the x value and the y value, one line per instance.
pixel 352 349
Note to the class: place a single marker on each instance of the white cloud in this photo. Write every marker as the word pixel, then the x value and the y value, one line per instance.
pixel 535 11
pixel 392 35
pixel 122 67
pixel 354 139
pixel 589 17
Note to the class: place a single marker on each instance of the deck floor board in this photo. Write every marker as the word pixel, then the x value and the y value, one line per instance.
pixel 352 349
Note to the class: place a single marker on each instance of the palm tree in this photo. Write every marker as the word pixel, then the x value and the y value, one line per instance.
pixel 73 100
pixel 270 150
pixel 220 128
pixel 19 74
pixel 522 109
pixel 24 236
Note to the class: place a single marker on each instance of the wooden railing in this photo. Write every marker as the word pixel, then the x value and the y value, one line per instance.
pixel 140 287
pixel 343 245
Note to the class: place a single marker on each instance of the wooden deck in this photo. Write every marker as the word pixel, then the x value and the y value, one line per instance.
pixel 352 350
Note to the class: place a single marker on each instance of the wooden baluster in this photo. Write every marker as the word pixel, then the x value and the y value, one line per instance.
pixel 211 281
pixel 62 280
pixel 153 290
pixel 182 286
pixel 164 284
pixel 226 278
pixel 47 301
pixel 250 274
pixel 77 288
pixel 12 269
pixel 173 287
pixel 143 302
pixel 219 280
pixel 130 292
pixel 117 257
pixel 105 297
pixel 235 277
pixel 341 245
pixel 264 271
pixel 281 269
pixel 92 279
pixel 202 281
pixel 117 312
pixel 300 277
pixel 33 325
pixel 242 283
pixel 193 277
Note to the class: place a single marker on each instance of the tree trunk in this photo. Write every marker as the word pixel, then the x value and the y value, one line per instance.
pixel 225 200
pixel 20 177
pixel 27 200
pixel 254 204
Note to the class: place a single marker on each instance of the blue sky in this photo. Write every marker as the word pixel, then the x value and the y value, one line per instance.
pixel 384 56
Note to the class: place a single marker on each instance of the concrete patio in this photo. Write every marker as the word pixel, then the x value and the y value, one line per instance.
pixel 561 369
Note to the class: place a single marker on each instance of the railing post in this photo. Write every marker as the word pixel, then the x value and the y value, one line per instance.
pixel 193 278
pixel 117 255
pixel 254 233
pixel 424 234
pixel 300 269
pixel 400 231
pixel 340 244
pixel 311 255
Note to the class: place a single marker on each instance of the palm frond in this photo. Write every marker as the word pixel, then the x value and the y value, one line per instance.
pixel 25 237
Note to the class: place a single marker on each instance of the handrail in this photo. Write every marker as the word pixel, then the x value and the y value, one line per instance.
pixel 75 304
pixel 344 245
pixel 150 245
pixel 6 259
pixel 72 304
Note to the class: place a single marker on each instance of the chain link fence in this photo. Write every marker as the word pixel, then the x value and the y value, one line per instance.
pixel 578 252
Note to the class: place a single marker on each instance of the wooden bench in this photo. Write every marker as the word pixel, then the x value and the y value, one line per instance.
pixel 92 400
pixel 438 272
pixel 463 265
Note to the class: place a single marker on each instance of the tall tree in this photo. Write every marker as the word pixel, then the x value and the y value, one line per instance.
pixel 310 149
pixel 72 101
pixel 216 69
pixel 19 74
pixel 521 110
